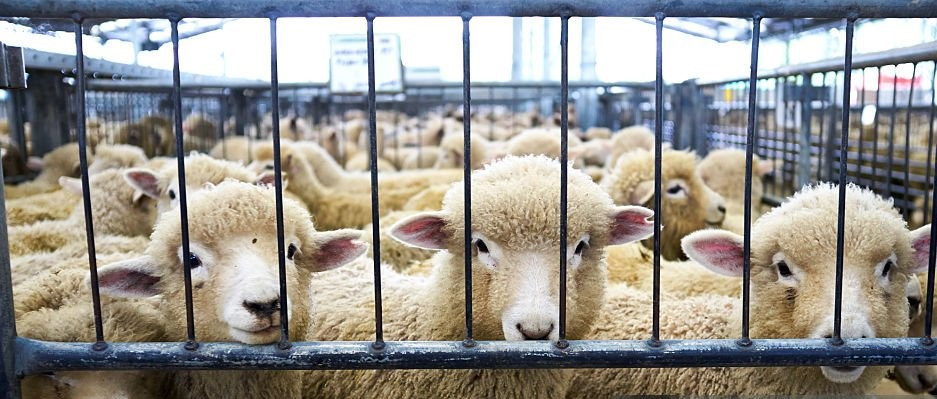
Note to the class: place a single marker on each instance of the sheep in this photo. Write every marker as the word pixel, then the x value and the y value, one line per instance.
pixel 57 307
pixel 73 254
pixel 598 133
pixel 688 204
pixel 153 133
pixel 162 185
pixel 514 275
pixel 723 170
pixel 919 378
pixel 234 265
pixel 793 250
pixel 62 161
pixel 115 208
pixel 424 157
pixel 631 138
pixel 236 148
pixel 543 141
pixel 452 151
pixel 400 256
pixel 632 264
pixel 361 162
pixel 430 199
pixel 52 205
pixel 115 156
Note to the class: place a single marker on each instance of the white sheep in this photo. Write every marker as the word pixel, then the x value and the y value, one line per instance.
pixel 793 253
pixel 234 265
pixel 62 161
pixel 723 170
pixel 514 274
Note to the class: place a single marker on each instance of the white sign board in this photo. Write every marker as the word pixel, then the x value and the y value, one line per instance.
pixel 348 71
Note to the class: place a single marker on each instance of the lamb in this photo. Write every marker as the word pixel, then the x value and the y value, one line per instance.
pixel 688 204
pixel 723 170
pixel 515 277
pixel 424 157
pixel 543 141
pixel 792 256
pixel 921 378
pixel 115 208
pixel 452 154
pixel 153 133
pixel 116 156
pixel 74 254
pixel 162 185
pixel 234 263
pixel 632 264
pixel 237 149
pixel 62 161
pixel 629 139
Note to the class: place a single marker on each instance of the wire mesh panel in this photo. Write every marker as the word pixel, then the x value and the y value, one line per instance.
pixel 773 117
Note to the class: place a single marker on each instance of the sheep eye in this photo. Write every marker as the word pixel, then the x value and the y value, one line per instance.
pixel 581 247
pixel 887 268
pixel 783 269
pixel 674 190
pixel 480 245
pixel 172 195
pixel 194 261
pixel 291 251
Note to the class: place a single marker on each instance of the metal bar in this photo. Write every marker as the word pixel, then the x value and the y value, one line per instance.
pixel 930 141
pixel 878 97
pixel 190 344
pixel 907 141
pixel 9 381
pixel 43 356
pixel 378 343
pixel 841 222
pixel 932 249
pixel 162 84
pixel 820 148
pixel 806 121
pixel 467 174
pixel 831 138
pixel 416 8
pixel 861 131
pixel 564 167
pixel 891 131
pixel 747 216
pixel 278 184
pixel 85 185
pixel 658 154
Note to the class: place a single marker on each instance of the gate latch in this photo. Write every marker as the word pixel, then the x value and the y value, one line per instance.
pixel 12 68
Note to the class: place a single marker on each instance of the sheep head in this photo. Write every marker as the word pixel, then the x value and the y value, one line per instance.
pixel 233 261
pixel 687 205
pixel 793 268
pixel 515 252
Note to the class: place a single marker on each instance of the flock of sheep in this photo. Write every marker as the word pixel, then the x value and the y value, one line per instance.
pixel 515 259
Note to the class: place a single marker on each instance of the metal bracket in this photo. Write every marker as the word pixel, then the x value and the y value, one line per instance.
pixel 12 68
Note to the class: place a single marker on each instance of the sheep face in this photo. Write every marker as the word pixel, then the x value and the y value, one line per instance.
pixel 687 205
pixel 233 262
pixel 793 267
pixel 917 378
pixel 515 246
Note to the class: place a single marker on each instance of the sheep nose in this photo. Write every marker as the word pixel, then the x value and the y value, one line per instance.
pixel 721 209
pixel 534 331
pixel 263 309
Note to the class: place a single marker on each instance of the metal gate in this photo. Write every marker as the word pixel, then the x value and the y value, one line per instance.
pixel 22 356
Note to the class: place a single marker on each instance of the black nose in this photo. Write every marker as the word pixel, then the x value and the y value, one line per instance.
pixel 721 209
pixel 533 334
pixel 263 309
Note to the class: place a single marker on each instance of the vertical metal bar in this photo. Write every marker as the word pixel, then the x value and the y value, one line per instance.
pixel 658 154
pixel 929 305
pixel 467 173
pixel 491 117
pixel 861 132
pixel 843 153
pixel 9 383
pixel 781 99
pixel 183 204
pixel 831 139
pixel 564 166
pixel 85 187
pixel 930 146
pixel 878 97
pixel 375 211
pixel 749 147
pixel 891 132
pixel 822 114
pixel 907 145
pixel 806 121
pixel 278 184
pixel 773 131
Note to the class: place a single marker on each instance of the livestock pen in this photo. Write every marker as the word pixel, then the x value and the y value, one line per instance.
pixel 802 117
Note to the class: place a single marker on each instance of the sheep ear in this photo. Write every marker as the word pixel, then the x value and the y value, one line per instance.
pixel 131 278
pixel 34 164
pixel 333 249
pixel 424 230
pixel 630 223
pixel 642 193
pixel 718 250
pixel 144 180
pixel 70 184
pixel 920 247
pixel 270 179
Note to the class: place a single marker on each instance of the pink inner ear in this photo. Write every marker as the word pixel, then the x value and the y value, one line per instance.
pixel 922 250
pixel 628 226
pixel 267 180
pixel 725 255
pixel 130 282
pixel 146 182
pixel 427 232
pixel 337 252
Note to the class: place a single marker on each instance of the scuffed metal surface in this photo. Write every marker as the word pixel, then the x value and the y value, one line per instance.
pixel 543 8
pixel 39 356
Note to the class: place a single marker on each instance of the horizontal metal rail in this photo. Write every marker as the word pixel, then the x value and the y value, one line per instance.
pixel 428 8
pixel 136 85
pixel 40 356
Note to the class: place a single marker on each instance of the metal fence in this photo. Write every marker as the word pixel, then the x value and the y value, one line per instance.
pixel 22 356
